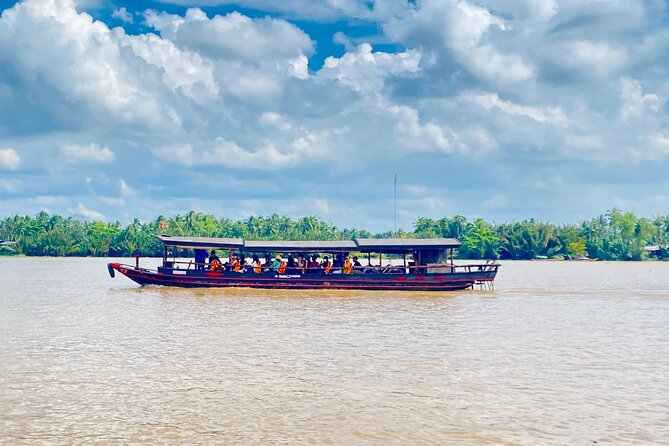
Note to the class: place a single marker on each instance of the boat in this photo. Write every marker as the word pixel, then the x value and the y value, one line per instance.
pixel 430 265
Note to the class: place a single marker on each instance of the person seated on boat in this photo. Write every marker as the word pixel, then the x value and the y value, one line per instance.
pixel 235 265
pixel 348 266
pixel 311 264
pixel 357 266
pixel 276 264
pixel 301 264
pixel 326 265
pixel 214 262
pixel 255 263
pixel 200 258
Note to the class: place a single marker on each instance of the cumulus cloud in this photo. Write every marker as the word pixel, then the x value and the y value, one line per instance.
pixel 309 9
pixel 460 29
pixel 123 15
pixel 267 43
pixel 9 159
pixel 558 87
pixel 365 71
pixel 75 153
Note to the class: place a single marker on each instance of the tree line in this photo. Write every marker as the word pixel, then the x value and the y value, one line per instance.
pixel 617 235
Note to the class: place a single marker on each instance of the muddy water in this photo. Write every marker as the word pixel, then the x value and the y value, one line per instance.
pixel 561 353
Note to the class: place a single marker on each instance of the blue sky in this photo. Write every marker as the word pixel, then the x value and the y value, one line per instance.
pixel 506 109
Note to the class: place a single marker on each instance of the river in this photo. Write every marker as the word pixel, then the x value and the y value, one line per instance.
pixel 561 353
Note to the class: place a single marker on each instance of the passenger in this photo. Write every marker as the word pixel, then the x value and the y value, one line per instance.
pixel 327 265
pixel 200 258
pixel 276 264
pixel 313 263
pixel 235 265
pixel 301 264
pixel 357 267
pixel 348 266
pixel 214 262
pixel 257 266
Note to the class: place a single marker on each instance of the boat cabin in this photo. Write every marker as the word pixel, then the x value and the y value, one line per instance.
pixel 433 255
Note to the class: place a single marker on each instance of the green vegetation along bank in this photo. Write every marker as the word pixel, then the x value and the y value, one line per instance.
pixel 616 235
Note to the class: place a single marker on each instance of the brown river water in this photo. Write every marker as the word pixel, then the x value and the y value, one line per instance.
pixel 561 353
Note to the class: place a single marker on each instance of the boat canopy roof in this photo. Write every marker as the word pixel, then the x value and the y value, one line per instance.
pixel 301 246
pixel 389 245
pixel 201 242
pixel 400 245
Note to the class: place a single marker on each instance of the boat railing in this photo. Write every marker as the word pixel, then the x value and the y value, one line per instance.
pixel 490 266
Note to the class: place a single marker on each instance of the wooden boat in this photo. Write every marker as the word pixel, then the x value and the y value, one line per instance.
pixel 431 267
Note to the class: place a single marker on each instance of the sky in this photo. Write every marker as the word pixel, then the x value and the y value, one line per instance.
pixel 500 109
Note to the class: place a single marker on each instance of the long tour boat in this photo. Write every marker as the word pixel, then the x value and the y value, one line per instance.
pixel 426 265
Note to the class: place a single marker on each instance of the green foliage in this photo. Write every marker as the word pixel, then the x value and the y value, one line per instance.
pixel 615 236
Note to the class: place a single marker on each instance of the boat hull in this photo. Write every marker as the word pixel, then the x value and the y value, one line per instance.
pixel 211 279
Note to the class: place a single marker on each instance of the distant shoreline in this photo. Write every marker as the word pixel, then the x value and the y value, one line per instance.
pixel 616 235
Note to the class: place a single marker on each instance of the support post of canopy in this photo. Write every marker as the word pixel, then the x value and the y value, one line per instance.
pixel 164 254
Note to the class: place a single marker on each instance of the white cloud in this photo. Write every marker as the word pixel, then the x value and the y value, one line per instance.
pixel 269 156
pixel 543 115
pixel 185 71
pixel 462 29
pixel 309 9
pixel 123 15
pixel 264 39
pixel 417 136
pixel 635 102
pixel 126 190
pixel 88 213
pixel 591 58
pixel 89 153
pixel 9 159
pixel 365 71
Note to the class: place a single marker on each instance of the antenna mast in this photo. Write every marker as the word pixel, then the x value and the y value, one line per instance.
pixel 395 226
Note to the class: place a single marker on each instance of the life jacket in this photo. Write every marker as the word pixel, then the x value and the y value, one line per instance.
pixel 236 267
pixel 215 265
pixel 348 267
pixel 327 266
pixel 302 266
pixel 282 268
pixel 257 267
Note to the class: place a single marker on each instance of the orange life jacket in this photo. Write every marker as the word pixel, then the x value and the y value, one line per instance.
pixel 236 267
pixel 282 268
pixel 215 265
pixel 257 267
pixel 348 267
pixel 327 266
